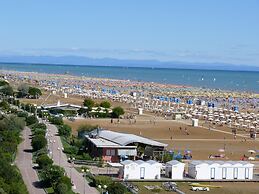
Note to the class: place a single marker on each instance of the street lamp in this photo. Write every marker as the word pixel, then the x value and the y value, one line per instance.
pixel 100 187
pixel 60 150
pixel 84 175
pixel 105 187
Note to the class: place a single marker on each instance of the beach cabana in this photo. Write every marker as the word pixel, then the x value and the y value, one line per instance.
pixel 154 170
pixel 129 170
pixel 140 169
pixel 174 169
pixel 218 170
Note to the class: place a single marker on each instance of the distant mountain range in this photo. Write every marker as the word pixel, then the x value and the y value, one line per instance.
pixel 79 60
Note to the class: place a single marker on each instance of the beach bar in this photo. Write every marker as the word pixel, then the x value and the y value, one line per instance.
pixel 114 146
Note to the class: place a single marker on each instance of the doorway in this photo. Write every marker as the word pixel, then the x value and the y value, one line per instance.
pixel 212 173
pixel 224 173
pixel 235 173
pixel 142 173
pixel 246 173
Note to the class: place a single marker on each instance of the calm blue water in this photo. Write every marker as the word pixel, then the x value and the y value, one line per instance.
pixel 229 80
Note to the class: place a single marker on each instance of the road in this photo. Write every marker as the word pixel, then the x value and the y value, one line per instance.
pixel 80 184
pixel 24 163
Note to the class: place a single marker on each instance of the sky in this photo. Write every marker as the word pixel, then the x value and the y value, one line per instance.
pixel 166 30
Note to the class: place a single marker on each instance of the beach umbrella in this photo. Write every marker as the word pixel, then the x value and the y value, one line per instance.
pixel 252 151
pixel 251 158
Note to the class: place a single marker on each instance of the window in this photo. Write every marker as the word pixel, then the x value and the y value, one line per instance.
pixel 108 152
pixel 112 152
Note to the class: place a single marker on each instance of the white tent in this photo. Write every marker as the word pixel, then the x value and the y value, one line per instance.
pixel 174 169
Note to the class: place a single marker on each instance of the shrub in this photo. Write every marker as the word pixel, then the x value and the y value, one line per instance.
pixel 38 142
pixel 39 132
pixel 31 120
pixel 61 189
pixel 86 156
pixel 64 130
pixel 44 161
pixel 39 126
pixel 116 188
pixel 4 105
pixel 102 180
pixel 22 114
pixel 82 111
pixel 56 120
pixel 73 150
pixel 67 181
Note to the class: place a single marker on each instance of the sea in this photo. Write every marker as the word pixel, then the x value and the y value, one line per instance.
pixel 247 81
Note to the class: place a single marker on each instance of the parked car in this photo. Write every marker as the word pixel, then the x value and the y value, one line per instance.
pixel 200 188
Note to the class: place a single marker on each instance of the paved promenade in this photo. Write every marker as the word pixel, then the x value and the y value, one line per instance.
pixel 80 184
pixel 24 163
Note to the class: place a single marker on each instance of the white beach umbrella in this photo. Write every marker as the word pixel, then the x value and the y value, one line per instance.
pixel 251 158
pixel 251 151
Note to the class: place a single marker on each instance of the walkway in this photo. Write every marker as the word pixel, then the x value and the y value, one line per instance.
pixel 80 184
pixel 24 163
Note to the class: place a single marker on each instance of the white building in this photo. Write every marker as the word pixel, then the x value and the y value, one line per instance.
pixel 140 169
pixel 129 170
pixel 174 169
pixel 195 122
pixel 206 169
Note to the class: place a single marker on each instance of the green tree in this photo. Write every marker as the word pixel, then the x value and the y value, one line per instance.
pixel 89 103
pixel 22 114
pixel 67 181
pixel 105 104
pixel 38 142
pixel 56 120
pixel 84 129
pixel 62 188
pixel 31 120
pixel 5 88
pixel 116 188
pixel 3 83
pixel 23 90
pixel 39 126
pixel 34 92
pixel 53 174
pixel 4 105
pixel 64 130
pixel 117 112
pixel 44 161
pixel 82 111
